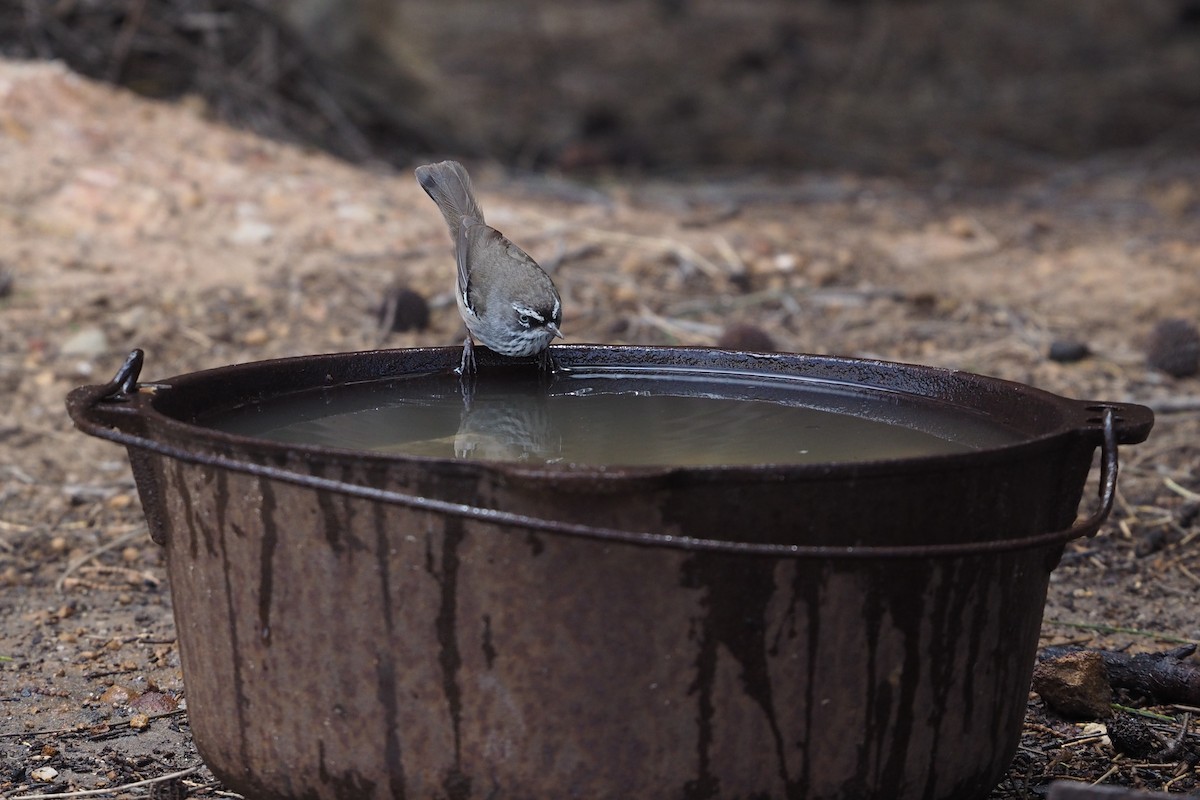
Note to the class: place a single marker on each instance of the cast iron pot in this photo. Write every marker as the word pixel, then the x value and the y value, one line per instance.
pixel 368 626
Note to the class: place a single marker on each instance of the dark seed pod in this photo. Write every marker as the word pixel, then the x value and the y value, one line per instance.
pixel 1131 736
pixel 403 310
pixel 1174 348
pixel 746 337
pixel 1068 351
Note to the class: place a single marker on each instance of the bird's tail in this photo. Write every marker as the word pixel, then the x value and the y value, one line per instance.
pixel 450 187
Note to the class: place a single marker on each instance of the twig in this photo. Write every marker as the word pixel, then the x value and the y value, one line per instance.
pixel 124 40
pixel 1175 750
pixel 211 786
pixel 133 533
pixel 679 250
pixel 1088 626
pixel 1111 770
pixel 109 790
pixel 1141 712
pixel 1174 405
pixel 683 330
pixel 1186 494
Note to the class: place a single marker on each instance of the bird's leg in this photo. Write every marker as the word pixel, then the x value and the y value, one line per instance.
pixel 466 372
pixel 467 367
pixel 549 365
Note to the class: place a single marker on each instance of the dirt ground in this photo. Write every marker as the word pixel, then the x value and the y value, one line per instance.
pixel 126 223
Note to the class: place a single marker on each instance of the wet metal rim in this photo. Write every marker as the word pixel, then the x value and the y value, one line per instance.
pixel 88 403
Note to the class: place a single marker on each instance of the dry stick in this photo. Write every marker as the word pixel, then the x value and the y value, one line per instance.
pixel 1174 405
pixel 81 729
pixel 684 330
pixel 133 533
pixel 659 244
pixel 1088 626
pixel 1175 751
pixel 1186 494
pixel 124 40
pixel 1116 766
pixel 212 787
pixel 110 790
pixel 1141 712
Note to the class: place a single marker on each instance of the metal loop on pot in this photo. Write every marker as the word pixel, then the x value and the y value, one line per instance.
pixel 125 383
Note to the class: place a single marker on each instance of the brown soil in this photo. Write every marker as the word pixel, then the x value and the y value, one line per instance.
pixel 125 223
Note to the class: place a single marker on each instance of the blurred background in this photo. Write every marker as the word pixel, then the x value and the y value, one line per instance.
pixel 984 90
pixel 1010 188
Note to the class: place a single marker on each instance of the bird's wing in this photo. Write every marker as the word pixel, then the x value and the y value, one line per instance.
pixel 484 252
pixel 462 254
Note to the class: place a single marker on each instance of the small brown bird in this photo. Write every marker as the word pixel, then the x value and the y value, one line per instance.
pixel 506 300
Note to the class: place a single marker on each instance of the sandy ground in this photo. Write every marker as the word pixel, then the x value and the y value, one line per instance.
pixel 126 224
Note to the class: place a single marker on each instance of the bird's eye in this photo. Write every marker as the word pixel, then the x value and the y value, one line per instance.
pixel 524 320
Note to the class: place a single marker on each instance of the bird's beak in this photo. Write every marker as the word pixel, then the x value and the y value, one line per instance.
pixel 550 326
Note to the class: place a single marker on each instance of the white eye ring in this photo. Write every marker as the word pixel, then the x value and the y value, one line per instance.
pixel 523 319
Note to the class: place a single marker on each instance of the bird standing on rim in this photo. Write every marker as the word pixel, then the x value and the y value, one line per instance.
pixel 506 300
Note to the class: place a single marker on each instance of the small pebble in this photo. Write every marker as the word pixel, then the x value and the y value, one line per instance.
pixel 1068 351
pixel 746 337
pixel 256 337
pixel 117 695
pixel 154 703
pixel 403 310
pixel 251 232
pixel 44 774
pixel 1174 348
pixel 88 343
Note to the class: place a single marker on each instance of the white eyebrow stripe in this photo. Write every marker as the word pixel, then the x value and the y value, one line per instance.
pixel 529 312
pixel 557 308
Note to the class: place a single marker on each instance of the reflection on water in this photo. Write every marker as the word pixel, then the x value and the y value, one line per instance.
pixel 599 419
pixel 514 427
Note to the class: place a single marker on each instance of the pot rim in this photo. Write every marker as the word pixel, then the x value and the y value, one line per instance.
pixel 1079 419
pixel 124 411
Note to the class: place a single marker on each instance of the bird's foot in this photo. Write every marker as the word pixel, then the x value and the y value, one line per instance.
pixel 549 365
pixel 467 366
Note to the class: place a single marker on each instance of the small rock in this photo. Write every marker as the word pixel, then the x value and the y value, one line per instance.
pixel 139 721
pixel 746 337
pixel 963 227
pixel 403 310
pixel 130 320
pixel 85 343
pixel 786 262
pixel 251 231
pixel 117 695
pixel 44 774
pixel 1174 348
pixel 256 337
pixel 1068 351
pixel 155 703
pixel 1075 685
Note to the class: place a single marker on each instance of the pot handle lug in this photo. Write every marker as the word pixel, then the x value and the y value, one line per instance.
pixel 116 423
pixel 97 409
pixel 1131 422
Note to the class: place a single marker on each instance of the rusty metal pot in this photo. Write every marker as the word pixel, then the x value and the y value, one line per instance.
pixel 355 625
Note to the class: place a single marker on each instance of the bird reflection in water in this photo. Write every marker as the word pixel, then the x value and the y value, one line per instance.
pixel 507 426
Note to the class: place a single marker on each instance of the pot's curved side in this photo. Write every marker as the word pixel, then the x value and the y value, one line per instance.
pixel 335 645
pixel 458 659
